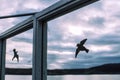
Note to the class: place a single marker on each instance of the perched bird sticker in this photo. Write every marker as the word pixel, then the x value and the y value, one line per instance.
pixel 80 47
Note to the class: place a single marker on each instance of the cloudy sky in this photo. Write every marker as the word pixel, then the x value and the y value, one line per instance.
pixel 98 22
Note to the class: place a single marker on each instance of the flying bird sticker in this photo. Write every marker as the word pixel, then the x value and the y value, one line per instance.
pixel 15 55
pixel 80 47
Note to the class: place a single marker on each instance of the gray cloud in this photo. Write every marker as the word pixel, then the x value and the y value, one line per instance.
pixel 22 39
pixel 61 48
pixel 97 21
pixel 110 39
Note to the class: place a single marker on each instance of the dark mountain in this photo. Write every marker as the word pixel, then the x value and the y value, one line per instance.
pixel 113 68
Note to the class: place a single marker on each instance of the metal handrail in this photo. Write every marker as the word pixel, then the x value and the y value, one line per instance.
pixel 18 15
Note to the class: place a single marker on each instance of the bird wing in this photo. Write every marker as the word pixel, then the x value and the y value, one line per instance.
pixel 83 41
pixel 76 53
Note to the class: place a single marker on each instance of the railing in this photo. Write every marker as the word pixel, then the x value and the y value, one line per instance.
pixel 39 24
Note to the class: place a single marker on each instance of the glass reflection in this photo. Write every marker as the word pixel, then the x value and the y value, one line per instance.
pixel 21 46
pixel 94 23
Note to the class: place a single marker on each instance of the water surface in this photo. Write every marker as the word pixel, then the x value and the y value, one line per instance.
pixel 66 77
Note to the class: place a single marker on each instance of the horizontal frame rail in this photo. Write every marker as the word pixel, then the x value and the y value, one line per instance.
pixel 62 7
pixel 17 15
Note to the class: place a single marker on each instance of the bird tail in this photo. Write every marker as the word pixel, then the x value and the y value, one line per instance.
pixel 76 53
pixel 87 50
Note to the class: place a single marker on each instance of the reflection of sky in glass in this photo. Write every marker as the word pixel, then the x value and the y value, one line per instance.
pixel 98 23
pixel 23 44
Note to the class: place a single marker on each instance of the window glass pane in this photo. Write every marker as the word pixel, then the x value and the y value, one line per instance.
pixel 19 56
pixel 99 24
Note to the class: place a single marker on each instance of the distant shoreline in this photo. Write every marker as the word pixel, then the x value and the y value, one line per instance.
pixel 103 69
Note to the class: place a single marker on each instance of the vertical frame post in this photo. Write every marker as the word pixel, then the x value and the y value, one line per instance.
pixel 2 58
pixel 39 71
pixel 44 52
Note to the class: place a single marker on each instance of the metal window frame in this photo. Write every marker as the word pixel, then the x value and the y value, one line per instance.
pixel 38 22
pixel 2 58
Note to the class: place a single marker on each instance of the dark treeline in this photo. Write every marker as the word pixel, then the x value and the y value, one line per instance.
pixel 103 69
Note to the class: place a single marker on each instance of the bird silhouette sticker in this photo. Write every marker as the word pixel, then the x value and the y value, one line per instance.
pixel 80 47
pixel 15 55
